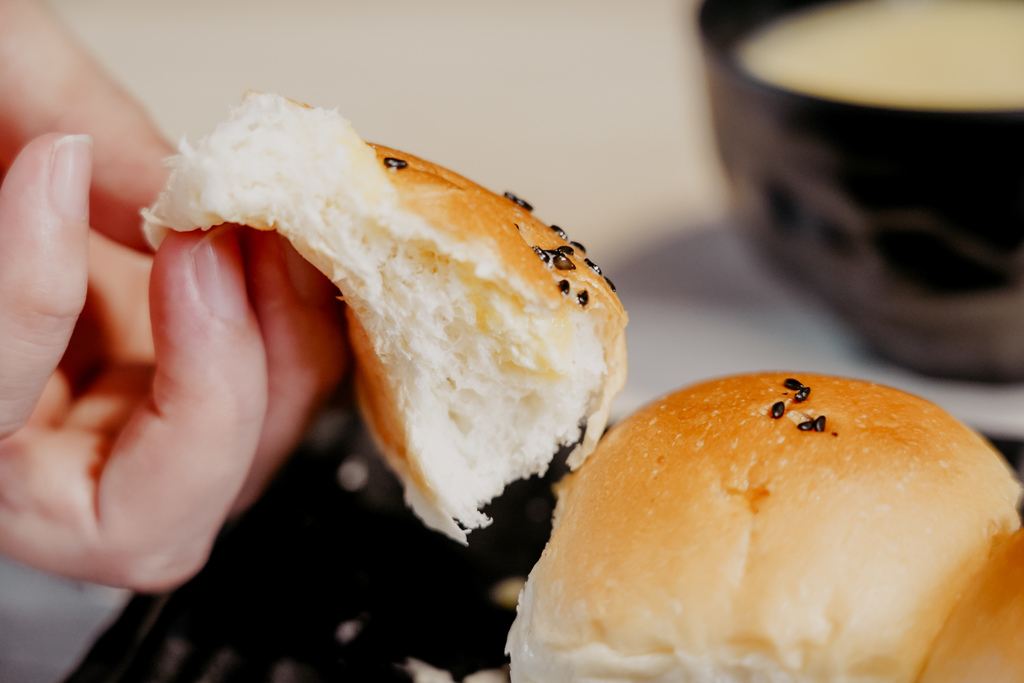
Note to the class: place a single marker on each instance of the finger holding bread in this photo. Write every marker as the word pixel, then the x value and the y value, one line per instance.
pixel 169 479
pixel 134 486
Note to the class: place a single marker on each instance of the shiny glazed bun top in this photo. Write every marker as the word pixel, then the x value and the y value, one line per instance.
pixel 484 340
pixel 754 529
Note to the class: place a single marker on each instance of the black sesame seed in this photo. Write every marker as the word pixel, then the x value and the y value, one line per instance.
pixel 806 426
pixel 802 395
pixel 562 262
pixel 793 384
pixel 564 286
pixel 593 266
pixel 392 162
pixel 521 202
pixel 579 246
pixel 778 409
pixel 544 255
pixel 610 283
pixel 583 298
pixel 561 233
pixel 819 424
pixel 568 251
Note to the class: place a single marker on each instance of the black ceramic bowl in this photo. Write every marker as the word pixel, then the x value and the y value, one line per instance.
pixel 909 223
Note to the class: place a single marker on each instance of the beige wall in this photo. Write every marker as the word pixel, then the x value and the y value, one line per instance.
pixel 592 110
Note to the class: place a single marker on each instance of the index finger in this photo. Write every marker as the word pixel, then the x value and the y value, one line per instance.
pixel 51 83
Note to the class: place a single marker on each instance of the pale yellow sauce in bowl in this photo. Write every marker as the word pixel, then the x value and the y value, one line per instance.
pixel 961 55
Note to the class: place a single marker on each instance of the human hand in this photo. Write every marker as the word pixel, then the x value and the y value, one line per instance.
pixel 131 428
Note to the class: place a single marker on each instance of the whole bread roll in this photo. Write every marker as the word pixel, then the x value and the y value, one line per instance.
pixel 707 540
pixel 483 339
pixel 983 641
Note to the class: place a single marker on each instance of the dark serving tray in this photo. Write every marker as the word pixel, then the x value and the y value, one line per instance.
pixel 329 577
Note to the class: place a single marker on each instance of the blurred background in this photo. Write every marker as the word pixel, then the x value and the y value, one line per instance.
pixel 592 110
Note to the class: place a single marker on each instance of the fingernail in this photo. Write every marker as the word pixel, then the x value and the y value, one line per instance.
pixel 309 283
pixel 222 291
pixel 70 174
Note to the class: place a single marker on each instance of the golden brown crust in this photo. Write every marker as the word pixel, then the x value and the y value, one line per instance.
pixel 463 208
pixel 984 637
pixel 377 402
pixel 704 524
pixel 466 210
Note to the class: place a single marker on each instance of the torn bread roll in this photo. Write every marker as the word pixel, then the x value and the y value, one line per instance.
pixel 983 640
pixel 484 340
pixel 714 538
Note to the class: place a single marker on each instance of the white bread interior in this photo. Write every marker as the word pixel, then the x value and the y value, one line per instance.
pixel 706 541
pixel 983 640
pixel 475 362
